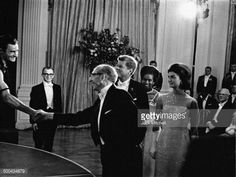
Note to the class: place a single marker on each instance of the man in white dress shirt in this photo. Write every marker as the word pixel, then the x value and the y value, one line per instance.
pixel 221 117
pixel 206 84
pixel 125 68
pixel 45 96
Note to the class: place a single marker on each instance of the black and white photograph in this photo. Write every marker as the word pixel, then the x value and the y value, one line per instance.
pixel 118 88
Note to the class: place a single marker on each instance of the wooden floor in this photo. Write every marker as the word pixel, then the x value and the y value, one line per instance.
pixel 75 144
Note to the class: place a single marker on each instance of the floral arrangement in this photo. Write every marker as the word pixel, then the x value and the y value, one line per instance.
pixel 104 47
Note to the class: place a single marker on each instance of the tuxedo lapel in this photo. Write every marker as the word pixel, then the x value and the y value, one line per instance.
pixel 234 78
pixel 131 89
pixel 43 95
pixel 209 82
pixel 107 102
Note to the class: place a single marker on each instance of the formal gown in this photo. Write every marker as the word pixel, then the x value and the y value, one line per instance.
pixel 177 113
pixel 148 161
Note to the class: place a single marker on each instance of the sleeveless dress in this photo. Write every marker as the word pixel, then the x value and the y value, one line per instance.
pixel 177 113
pixel 148 161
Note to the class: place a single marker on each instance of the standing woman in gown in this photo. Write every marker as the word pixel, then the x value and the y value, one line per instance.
pixel 179 116
pixel 148 78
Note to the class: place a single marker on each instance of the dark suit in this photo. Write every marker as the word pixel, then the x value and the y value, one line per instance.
pixel 118 130
pixel 43 137
pixel 224 119
pixel 140 98
pixel 228 81
pixel 210 87
pixel 233 103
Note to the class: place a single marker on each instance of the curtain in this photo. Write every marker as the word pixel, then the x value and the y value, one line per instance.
pixel 135 18
pixel 67 18
pixel 176 38
pixel 212 40
pixel 231 35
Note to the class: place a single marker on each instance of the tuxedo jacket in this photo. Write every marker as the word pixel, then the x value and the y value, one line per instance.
pixel 38 98
pixel 211 102
pixel 233 103
pixel 118 120
pixel 228 81
pixel 210 87
pixel 140 98
pixel 224 118
pixel 139 94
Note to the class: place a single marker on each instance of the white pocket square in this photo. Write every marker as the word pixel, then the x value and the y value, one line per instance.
pixel 135 99
pixel 108 111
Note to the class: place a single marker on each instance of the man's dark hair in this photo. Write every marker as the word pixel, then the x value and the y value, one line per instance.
pixel 153 62
pixel 208 67
pixel 5 40
pixel 47 67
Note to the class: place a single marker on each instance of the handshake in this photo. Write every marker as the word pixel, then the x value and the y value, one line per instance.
pixel 41 115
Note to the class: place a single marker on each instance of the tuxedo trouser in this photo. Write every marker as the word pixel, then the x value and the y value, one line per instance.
pixel 44 136
pixel 121 162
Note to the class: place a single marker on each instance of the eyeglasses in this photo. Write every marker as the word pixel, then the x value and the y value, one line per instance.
pixel 223 94
pixel 96 74
pixel 46 74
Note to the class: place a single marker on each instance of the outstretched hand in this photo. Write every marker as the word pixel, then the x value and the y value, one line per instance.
pixel 42 115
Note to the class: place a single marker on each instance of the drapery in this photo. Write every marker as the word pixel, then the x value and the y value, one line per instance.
pixel 67 18
pixel 135 18
pixel 212 40
pixel 176 38
pixel 163 35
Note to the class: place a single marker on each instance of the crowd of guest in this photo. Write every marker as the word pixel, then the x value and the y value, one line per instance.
pixel 168 146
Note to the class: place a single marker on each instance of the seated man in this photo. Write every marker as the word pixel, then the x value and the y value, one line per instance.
pixel 220 118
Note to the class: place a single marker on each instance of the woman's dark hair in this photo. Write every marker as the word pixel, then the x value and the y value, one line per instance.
pixel 183 72
pixel 149 70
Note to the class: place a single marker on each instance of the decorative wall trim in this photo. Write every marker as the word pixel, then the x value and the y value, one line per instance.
pixel 32 32
pixel 230 35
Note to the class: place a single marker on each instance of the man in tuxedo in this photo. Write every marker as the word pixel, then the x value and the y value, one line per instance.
pixel 113 119
pixel 125 68
pixel 8 102
pixel 45 96
pixel 206 84
pixel 221 117
pixel 159 79
pixel 230 77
